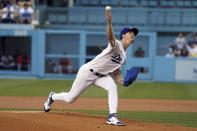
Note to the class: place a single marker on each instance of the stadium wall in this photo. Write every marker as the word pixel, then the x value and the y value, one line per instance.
pixel 49 45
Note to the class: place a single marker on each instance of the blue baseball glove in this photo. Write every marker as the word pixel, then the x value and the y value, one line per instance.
pixel 131 76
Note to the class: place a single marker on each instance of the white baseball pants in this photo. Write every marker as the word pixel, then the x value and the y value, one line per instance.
pixel 83 80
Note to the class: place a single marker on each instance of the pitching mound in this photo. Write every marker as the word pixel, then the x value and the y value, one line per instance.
pixel 66 121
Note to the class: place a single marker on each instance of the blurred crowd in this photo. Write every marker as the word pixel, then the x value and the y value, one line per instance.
pixel 62 66
pixel 16 11
pixel 16 62
pixel 182 47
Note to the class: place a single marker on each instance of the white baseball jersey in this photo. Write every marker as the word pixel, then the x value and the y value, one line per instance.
pixel 109 59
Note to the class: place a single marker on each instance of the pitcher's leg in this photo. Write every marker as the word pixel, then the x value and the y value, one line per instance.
pixel 108 84
pixel 83 79
pixel 79 85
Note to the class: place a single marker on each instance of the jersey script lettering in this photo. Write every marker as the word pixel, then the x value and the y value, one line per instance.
pixel 116 58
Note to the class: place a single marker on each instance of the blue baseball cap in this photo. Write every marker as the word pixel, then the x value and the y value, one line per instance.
pixel 8 5
pixel 127 29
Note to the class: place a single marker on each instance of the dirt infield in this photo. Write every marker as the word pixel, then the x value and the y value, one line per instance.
pixel 102 104
pixel 66 121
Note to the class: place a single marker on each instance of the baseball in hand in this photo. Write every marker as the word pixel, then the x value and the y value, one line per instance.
pixel 108 8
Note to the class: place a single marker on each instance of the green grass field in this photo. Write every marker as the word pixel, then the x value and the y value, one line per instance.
pixel 139 90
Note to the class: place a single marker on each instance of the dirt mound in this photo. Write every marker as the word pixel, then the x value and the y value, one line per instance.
pixel 67 121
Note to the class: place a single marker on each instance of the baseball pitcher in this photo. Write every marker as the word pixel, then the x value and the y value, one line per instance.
pixel 102 71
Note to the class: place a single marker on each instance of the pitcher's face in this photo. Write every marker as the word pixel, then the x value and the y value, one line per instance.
pixel 129 37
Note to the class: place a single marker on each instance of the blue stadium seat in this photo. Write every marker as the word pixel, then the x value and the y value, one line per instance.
pixel 85 2
pixel 94 2
pixel 180 3
pixel 189 18
pixel 171 3
pixel 52 18
pixel 194 4
pixel 77 16
pixel 157 18
pixel 61 18
pixel 115 2
pixel 153 3
pixel 187 3
pixel 133 3
pixel 119 17
pixel 105 2
pixel 163 3
pixel 124 2
pixel 96 17
pixel 137 18
pixel 143 3
pixel 173 18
